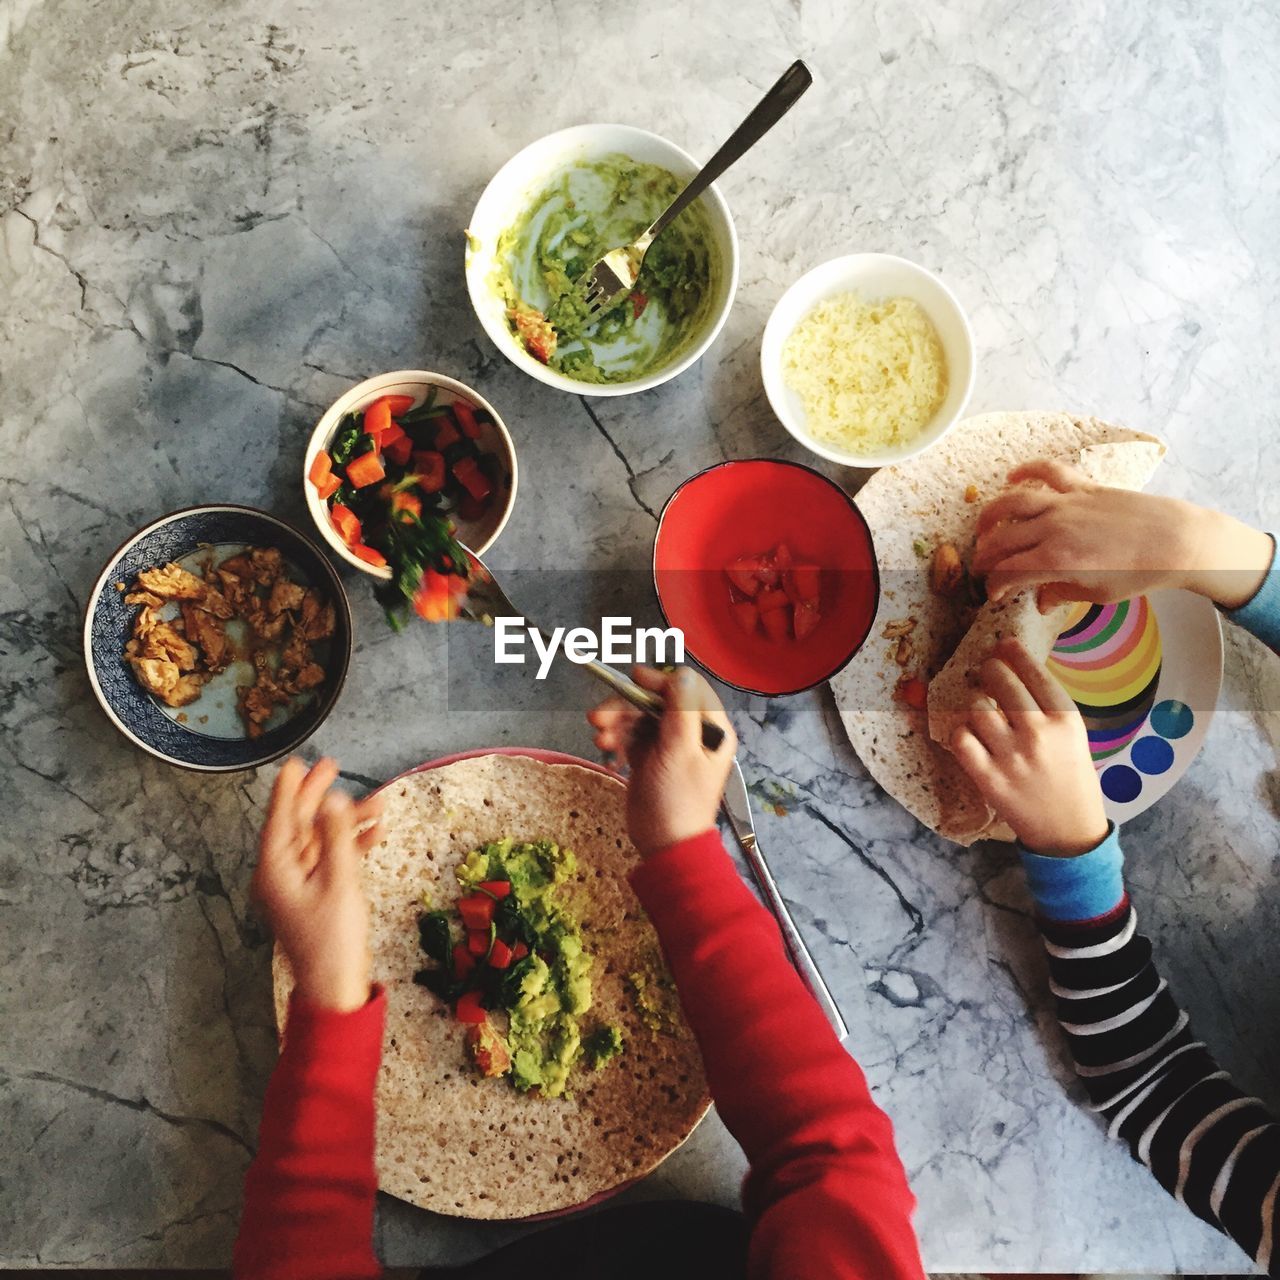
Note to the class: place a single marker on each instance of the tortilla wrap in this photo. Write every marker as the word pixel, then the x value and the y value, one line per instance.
pixel 1125 465
pixel 911 509
pixel 447 1139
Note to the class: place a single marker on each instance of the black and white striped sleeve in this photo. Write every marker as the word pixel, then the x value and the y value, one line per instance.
pixel 1158 1087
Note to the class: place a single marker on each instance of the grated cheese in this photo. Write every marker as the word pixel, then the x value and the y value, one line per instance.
pixel 869 374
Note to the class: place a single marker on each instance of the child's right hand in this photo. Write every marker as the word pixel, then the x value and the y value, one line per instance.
pixel 308 882
pixel 676 783
pixel 1077 540
pixel 1025 747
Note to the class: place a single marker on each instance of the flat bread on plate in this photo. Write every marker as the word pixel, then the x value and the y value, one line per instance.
pixel 449 1140
pixel 912 509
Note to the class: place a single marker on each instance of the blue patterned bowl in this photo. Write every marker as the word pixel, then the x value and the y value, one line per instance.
pixel 207 734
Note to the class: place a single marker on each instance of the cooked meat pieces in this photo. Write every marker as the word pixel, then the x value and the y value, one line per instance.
pixel 173 658
pixel 258 700
pixel 267 563
pixel 160 639
pixel 317 620
pixel 264 626
pixel 171 582
pixel 285 595
pixel 207 631
pixel 166 681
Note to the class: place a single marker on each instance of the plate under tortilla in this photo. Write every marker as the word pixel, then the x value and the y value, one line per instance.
pixel 1146 674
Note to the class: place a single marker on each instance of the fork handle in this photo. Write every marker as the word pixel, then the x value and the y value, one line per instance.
pixel 648 701
pixel 771 108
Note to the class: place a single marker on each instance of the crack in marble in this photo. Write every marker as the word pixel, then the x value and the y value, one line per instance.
pixel 632 478
pixel 142 1105
pixel 913 913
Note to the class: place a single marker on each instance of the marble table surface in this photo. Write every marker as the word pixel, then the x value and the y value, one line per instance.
pixel 217 217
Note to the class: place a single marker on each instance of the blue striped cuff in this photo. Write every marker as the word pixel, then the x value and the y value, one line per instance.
pixel 1080 888
pixel 1260 614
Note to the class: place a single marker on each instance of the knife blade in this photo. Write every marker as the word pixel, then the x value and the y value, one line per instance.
pixel 737 809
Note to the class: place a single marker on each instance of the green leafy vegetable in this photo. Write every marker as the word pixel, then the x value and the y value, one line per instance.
pixel 435 935
pixel 412 546
pixel 345 440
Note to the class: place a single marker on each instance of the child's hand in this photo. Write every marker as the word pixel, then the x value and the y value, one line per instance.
pixel 1078 540
pixel 676 784
pixel 1028 754
pixel 308 882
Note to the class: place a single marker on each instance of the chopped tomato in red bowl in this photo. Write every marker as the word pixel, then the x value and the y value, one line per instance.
pixel 769 570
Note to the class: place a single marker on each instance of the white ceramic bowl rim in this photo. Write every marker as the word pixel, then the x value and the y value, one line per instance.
pixel 497 207
pixel 841 275
pixel 366 392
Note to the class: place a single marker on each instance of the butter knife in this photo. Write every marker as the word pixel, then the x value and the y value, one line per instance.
pixel 737 808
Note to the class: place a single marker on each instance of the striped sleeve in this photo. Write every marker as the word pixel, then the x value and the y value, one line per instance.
pixel 1158 1087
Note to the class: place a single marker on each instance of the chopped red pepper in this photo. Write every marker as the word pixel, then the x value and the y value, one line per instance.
pixel 463 960
pixel 321 469
pixel 913 691
pixel 371 555
pixel 365 470
pixel 377 417
pixel 476 911
pixel 446 434
pixel 742 573
pixel 435 602
pixel 466 417
pixel 638 303
pixel 806 621
pixel 495 888
pixel 406 502
pixel 519 951
pixel 468 1009
pixel 398 449
pixel 746 615
pixel 346 522
pixel 500 955
pixel 430 469
pixel 768 601
pixel 398 404
pixel 776 623
pixel 472 479
pixel 478 942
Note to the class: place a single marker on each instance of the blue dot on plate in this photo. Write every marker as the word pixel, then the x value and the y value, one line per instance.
pixel 1172 719
pixel 1121 784
pixel 1151 755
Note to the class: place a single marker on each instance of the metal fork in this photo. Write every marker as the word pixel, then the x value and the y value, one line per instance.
pixel 606 283
pixel 486 600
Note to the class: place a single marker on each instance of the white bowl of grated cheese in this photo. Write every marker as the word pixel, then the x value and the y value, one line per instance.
pixel 868 360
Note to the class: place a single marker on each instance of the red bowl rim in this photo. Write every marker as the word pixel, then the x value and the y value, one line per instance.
pixel 875 571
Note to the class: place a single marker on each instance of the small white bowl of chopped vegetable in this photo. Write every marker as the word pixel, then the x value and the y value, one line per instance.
pixel 399 467
pixel 550 212
pixel 868 360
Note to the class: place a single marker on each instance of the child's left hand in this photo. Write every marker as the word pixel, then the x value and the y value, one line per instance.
pixel 1028 754
pixel 308 882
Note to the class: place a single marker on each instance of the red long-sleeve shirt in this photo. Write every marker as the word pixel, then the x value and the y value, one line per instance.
pixel 826 1194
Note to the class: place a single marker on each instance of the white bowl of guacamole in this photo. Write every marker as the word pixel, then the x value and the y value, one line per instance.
pixel 556 207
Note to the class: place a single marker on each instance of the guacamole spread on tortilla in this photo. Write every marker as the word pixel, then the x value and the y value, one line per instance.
pixel 520 959
pixel 590 209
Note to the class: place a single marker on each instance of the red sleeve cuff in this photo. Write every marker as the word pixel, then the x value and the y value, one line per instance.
pixel 698 861
pixel 317 1034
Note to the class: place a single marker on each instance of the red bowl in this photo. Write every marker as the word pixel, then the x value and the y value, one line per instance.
pixel 746 508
